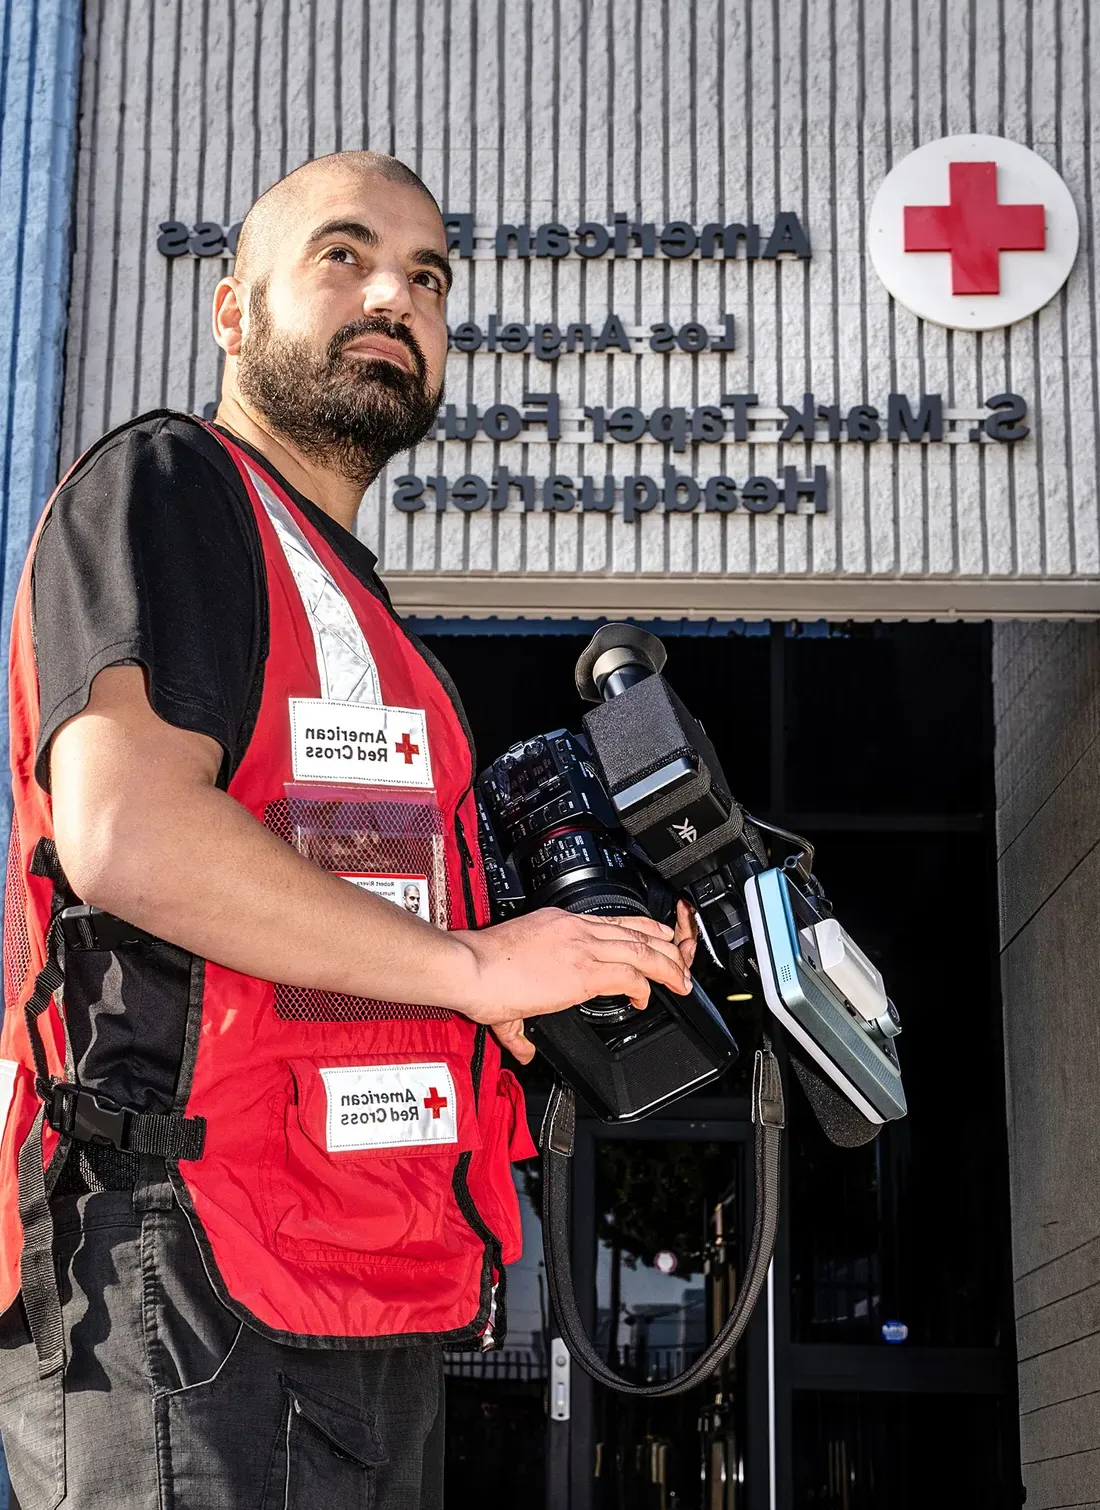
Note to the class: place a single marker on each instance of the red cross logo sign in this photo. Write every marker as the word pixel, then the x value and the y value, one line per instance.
pixel 434 1102
pixel 974 228
pixel 406 747
pixel 973 232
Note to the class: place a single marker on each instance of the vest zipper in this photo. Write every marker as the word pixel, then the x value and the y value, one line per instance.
pixel 478 1060
pixel 477 1064
pixel 467 862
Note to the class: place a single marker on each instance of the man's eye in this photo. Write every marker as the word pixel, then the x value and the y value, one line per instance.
pixel 429 280
pixel 339 254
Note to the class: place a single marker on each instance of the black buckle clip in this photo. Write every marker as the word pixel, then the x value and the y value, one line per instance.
pixel 87 1116
pixel 86 927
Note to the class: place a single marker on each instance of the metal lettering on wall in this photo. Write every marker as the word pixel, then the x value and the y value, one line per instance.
pixel 555 117
pixel 674 427
pixel 625 237
pixel 999 419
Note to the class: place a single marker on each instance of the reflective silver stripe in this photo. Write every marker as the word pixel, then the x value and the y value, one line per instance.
pixel 345 666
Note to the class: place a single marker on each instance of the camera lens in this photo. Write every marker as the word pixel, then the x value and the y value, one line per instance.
pixel 556 833
pixel 607 1011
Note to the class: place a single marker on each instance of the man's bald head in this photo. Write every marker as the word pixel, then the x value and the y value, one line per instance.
pixel 333 321
pixel 277 211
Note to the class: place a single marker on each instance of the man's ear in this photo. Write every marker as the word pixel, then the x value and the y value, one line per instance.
pixel 230 315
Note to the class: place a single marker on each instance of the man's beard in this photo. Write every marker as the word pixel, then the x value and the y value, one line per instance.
pixel 351 413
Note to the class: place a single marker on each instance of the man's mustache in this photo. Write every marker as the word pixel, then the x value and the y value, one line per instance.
pixel 378 325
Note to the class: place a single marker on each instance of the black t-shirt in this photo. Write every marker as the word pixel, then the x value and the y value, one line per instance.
pixel 151 556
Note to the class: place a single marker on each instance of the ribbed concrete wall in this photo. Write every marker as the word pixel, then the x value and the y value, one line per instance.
pixel 719 110
pixel 1047 700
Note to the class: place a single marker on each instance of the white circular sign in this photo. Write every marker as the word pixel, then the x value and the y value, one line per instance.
pixel 973 232
pixel 665 1262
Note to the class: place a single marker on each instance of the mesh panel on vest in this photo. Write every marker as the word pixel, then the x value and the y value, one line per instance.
pixel 398 845
pixel 95 1168
pixel 17 947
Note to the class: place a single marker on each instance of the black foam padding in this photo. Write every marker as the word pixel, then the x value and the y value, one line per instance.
pixel 839 1120
pixel 644 728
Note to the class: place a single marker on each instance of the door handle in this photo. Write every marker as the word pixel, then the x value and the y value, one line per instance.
pixel 559 1380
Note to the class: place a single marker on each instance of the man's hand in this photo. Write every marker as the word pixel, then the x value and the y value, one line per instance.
pixel 551 960
pixel 686 936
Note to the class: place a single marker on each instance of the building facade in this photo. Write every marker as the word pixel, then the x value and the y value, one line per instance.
pixel 679 391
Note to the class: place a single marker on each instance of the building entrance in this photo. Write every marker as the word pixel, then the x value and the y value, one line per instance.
pixel 875 741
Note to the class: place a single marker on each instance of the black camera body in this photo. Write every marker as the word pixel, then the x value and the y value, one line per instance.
pixel 635 813
pixel 550 837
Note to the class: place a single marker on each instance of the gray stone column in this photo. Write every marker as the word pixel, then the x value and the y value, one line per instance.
pixel 1047 706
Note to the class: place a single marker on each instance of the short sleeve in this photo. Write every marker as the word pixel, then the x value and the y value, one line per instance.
pixel 150 556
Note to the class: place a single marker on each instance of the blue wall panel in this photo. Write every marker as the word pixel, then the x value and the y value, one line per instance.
pixel 40 44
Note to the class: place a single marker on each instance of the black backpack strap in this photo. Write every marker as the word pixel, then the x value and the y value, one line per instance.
pixel 90 1117
pixel 76 1114
pixel 557 1149
pixel 38 1279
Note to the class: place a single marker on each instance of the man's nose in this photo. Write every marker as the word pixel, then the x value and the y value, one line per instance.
pixel 387 292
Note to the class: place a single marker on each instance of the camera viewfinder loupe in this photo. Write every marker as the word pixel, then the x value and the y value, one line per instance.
pixel 615 658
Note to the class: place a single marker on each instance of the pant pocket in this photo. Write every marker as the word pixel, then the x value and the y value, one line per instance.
pixel 327 1456
pixel 33 1423
pixel 191 1339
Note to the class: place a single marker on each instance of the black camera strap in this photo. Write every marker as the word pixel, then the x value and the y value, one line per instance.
pixel 558 1132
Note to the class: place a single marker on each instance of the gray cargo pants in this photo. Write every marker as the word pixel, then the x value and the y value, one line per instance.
pixel 168 1402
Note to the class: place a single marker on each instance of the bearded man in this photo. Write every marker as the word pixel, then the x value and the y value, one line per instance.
pixel 255 1164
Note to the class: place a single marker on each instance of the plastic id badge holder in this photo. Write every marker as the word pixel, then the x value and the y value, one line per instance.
pixel 363 806
pixel 387 842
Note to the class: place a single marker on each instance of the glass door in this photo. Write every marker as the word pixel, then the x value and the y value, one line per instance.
pixel 661 1217
pixel 497 1402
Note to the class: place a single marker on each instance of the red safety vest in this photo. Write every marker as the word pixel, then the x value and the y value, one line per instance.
pixel 354 1183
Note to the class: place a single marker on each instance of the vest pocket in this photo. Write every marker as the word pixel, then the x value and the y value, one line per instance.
pixel 505 1140
pixel 389 843
pixel 364 1168
pixel 327 1455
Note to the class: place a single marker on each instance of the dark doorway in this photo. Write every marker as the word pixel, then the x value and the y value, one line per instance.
pixel 875 740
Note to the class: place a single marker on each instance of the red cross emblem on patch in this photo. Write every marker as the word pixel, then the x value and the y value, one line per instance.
pixel 434 1103
pixel 406 747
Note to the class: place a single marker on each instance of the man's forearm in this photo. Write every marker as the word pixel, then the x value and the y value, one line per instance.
pixel 207 876
pixel 143 831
